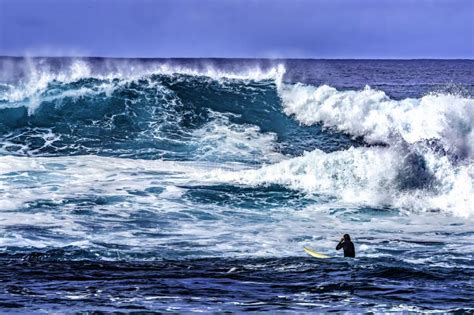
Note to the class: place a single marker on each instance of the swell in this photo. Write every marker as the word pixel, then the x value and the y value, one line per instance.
pixel 258 285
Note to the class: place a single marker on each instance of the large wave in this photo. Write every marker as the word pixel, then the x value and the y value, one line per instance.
pixel 427 162
pixel 156 112
pixel 360 146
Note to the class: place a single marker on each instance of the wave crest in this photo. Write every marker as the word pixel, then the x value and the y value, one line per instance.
pixel 446 119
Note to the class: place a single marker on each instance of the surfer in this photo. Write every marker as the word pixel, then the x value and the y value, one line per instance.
pixel 347 245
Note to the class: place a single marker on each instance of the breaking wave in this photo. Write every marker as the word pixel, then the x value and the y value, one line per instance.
pixel 443 119
pixel 360 146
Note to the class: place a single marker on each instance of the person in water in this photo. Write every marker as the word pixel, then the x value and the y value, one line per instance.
pixel 347 245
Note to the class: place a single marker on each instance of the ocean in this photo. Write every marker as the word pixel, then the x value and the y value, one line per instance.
pixel 192 185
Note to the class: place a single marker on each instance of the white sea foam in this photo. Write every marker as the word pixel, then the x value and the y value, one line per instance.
pixel 411 127
pixel 85 183
pixel 222 139
pixel 368 176
pixel 370 113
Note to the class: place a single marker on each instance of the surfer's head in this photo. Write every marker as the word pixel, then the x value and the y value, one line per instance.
pixel 347 237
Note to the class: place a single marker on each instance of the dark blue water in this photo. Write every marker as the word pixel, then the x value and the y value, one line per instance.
pixel 190 185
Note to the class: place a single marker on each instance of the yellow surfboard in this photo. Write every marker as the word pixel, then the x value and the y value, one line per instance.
pixel 315 253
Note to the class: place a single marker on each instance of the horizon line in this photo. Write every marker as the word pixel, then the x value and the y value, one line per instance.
pixel 234 58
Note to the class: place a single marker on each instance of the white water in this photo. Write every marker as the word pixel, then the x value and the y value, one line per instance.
pixel 233 231
pixel 224 140
pixel 370 113
pixel 367 177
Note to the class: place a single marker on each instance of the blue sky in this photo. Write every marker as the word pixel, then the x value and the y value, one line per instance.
pixel 239 28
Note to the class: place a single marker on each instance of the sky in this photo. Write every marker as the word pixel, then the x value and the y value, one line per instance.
pixel 397 29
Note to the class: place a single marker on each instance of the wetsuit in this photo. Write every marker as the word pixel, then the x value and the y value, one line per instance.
pixel 348 246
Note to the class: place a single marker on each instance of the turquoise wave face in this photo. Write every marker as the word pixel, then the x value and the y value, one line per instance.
pixel 157 116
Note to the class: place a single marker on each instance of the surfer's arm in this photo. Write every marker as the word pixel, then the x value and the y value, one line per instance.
pixel 340 245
